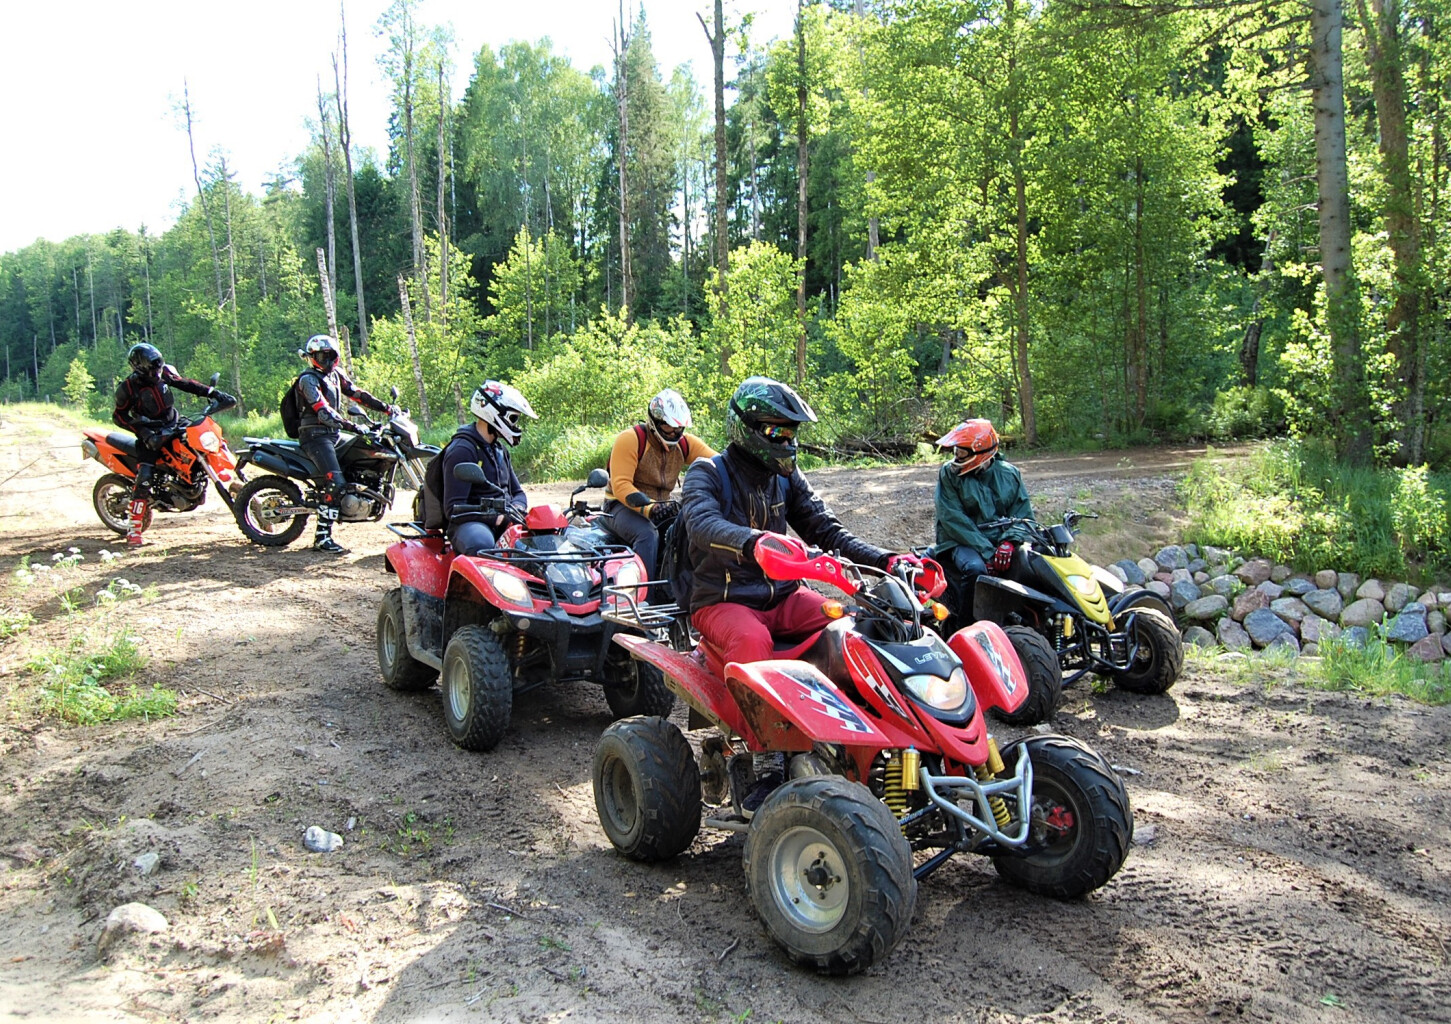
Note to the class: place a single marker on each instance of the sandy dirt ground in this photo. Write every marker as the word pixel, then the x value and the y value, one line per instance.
pixel 1290 864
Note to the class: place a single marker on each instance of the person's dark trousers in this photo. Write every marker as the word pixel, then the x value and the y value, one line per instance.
pixel 320 446
pixel 638 533
pixel 967 566
pixel 471 538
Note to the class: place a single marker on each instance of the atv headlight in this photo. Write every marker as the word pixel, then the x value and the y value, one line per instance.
pixel 934 691
pixel 1084 585
pixel 629 574
pixel 210 441
pixel 510 587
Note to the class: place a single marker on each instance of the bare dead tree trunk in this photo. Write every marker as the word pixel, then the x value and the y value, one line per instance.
pixel 146 271
pixel 1026 404
pixel 873 223
pixel 442 217
pixel 201 192
pixel 1140 325
pixel 327 293
pixel 345 142
pixel 722 244
pixel 415 203
pixel 622 160
pixel 1249 346
pixel 330 192
pixel 91 288
pixel 413 349
pixel 232 286
pixel 800 192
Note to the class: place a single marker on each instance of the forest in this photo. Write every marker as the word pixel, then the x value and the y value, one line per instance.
pixel 1093 222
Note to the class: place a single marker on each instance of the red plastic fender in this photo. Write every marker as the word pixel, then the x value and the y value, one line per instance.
pixel 544 518
pixel 469 570
pixel 421 564
pixel 992 666
pixel 688 677
pixel 790 705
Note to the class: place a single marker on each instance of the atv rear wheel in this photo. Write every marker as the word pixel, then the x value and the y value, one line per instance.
pixel 112 498
pixel 633 687
pixel 1045 677
pixel 401 671
pixel 478 688
pixel 830 874
pixel 1081 820
pixel 1160 656
pixel 254 511
pixel 647 788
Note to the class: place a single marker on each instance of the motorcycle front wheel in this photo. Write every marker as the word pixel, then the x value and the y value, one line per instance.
pixel 112 498
pixel 254 509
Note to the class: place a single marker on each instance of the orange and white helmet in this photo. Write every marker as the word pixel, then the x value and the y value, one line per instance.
pixel 973 444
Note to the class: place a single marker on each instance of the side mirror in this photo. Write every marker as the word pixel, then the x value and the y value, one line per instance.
pixel 355 409
pixel 394 392
pixel 216 377
pixel 597 478
pixel 473 473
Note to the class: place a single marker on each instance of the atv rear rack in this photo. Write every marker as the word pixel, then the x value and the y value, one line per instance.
pixel 627 611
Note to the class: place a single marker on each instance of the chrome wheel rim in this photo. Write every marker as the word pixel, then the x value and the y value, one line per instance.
pixel 809 879
pixel 459 690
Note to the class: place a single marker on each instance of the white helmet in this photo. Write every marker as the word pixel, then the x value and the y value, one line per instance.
pixel 669 417
pixel 501 406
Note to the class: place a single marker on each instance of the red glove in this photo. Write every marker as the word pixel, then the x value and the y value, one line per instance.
pixel 1003 557
pixel 897 560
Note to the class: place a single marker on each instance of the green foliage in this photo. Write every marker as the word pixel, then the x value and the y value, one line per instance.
pixel 81 683
pixel 1378 669
pixel 79 384
pixel 553 452
pixel 13 623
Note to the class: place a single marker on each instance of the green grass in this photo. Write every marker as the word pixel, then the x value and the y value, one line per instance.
pixel 1295 504
pixel 83 683
pixel 1376 670
pixel 14 623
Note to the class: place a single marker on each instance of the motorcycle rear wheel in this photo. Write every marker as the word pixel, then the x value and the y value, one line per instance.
pixel 1045 677
pixel 830 874
pixel 1160 656
pixel 647 788
pixel 254 503
pixel 112 499
pixel 1082 821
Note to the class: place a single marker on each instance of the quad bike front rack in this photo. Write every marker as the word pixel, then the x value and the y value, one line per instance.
pixel 627 610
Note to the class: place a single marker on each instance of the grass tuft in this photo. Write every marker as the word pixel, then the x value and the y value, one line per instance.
pixel 82 683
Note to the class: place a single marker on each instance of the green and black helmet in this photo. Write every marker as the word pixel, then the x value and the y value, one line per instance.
pixel 763 417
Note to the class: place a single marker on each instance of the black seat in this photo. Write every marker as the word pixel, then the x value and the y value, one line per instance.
pixel 826 655
pixel 122 442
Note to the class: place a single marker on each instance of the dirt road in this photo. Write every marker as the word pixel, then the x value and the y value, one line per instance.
pixel 1291 862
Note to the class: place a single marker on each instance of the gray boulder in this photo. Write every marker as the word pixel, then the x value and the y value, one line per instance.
pixel 1347 583
pixel 1286 641
pixel 1148 567
pixel 1172 557
pixel 1231 635
pixel 1117 572
pixel 1224 585
pixel 1247 602
pixel 1398 596
pixel 1158 587
pixel 1362 612
pixel 1325 579
pixel 1280 573
pixel 1408 627
pixel 1192 550
pixel 1201 637
pixel 1436 622
pixel 127 918
pixel 1271 590
pixel 1214 555
pixel 1430 600
pixel 1298 586
pixel 1446 642
pixel 1371 590
pixel 1254 572
pixel 1427 649
pixel 1291 609
pixel 1314 629
pixel 1263 625
pixel 1132 573
pixel 1180 576
pixel 1204 608
pixel 1325 602
pixel 1181 593
pixel 1197 565
pixel 1355 636
pixel 1310 650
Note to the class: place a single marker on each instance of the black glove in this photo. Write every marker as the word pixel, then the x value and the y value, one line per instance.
pixel 223 400
pixel 515 514
pixel 150 439
pixel 664 510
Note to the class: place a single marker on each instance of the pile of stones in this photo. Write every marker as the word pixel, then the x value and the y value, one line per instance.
pixel 1223 600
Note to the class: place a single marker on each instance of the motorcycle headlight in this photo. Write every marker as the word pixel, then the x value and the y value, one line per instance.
pixel 510 587
pixel 1085 585
pixel 410 430
pixel 210 441
pixel 629 574
pixel 934 691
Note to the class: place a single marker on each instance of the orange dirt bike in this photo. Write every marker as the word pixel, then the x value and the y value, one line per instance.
pixel 194 454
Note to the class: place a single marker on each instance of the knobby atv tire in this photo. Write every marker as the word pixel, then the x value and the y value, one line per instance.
pixel 112 498
pixel 1070 779
pixel 634 687
pixel 647 788
pixel 478 688
pixel 1045 677
pixel 401 671
pixel 275 489
pixel 1161 654
pixel 830 874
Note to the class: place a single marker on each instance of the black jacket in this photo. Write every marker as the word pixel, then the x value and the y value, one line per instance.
pixel 146 408
pixel 468 445
pixel 718 536
pixel 322 398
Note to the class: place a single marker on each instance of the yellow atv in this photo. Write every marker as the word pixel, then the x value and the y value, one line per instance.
pixel 1091 622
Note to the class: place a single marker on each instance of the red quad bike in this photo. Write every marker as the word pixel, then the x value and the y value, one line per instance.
pixel 195 454
pixel 512 618
pixel 881 723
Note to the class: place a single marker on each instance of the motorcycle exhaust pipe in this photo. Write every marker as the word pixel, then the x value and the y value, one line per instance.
pixel 89 450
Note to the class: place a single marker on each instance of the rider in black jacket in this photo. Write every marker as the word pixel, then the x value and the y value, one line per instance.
pixel 499 412
pixel 145 407
pixel 323 387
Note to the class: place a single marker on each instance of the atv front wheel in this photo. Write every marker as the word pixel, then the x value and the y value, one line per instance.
pixel 112 498
pixel 830 874
pixel 255 511
pixel 1081 820
pixel 1159 657
pixel 401 671
pixel 633 687
pixel 1045 677
pixel 478 688
pixel 647 788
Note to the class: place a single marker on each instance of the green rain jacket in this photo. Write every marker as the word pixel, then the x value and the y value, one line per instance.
pixel 963 500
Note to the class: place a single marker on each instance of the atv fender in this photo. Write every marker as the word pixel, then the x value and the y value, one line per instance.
pixel 995 599
pixel 1138 599
pixel 790 706
pixel 992 666
pixel 689 680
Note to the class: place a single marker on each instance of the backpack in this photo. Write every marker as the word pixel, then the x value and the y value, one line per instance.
pixel 675 564
pixel 428 505
pixel 291 406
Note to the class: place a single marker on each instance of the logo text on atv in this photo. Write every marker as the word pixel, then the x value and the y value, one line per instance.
pixel 985 642
pixel 831 703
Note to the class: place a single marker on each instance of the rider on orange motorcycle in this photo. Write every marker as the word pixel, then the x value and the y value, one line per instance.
pixel 145 407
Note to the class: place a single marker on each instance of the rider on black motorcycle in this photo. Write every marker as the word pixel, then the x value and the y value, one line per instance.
pixel 322 387
pixel 499 412
pixel 145 407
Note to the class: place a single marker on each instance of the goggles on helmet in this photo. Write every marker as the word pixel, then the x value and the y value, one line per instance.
pixel 777 431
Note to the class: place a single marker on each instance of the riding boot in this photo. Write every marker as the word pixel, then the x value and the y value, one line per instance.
pixel 327 515
pixel 137 523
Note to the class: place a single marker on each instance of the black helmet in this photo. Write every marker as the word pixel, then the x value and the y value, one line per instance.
pixel 762 419
pixel 146 360
pixel 322 351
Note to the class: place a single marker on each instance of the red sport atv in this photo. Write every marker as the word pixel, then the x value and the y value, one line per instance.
pixel 881 723
pixel 524 613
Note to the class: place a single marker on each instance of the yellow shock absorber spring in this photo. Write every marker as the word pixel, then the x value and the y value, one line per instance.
pixel 894 795
pixel 519 639
pixel 985 773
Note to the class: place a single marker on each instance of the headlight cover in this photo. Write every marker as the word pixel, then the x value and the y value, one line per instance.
pixel 628 575
pixel 210 441
pixel 1083 584
pixel 510 587
pixel 942 694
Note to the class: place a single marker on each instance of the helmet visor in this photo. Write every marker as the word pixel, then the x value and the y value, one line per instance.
pixel 670 435
pixel 777 431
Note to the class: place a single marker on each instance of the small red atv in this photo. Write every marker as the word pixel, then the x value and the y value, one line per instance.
pixel 887 754
pixel 517 616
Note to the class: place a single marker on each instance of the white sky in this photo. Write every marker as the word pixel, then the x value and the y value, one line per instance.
pixel 91 87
